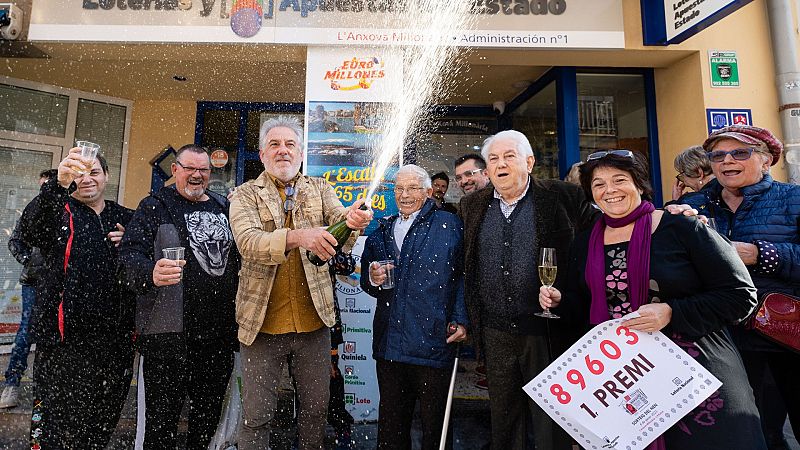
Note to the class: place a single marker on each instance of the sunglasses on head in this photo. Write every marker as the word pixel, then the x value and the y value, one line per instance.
pixel 604 153
pixel 739 154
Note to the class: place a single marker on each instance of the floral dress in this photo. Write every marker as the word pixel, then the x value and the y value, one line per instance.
pixel 699 275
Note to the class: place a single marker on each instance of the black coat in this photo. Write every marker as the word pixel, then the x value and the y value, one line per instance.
pixel 560 209
pixel 81 298
pixel 30 257
pixel 202 305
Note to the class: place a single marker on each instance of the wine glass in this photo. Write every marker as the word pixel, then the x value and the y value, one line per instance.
pixel 547 275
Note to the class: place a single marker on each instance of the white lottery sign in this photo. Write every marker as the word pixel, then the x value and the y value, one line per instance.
pixel 621 389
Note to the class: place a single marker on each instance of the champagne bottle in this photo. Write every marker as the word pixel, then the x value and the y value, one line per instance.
pixel 341 232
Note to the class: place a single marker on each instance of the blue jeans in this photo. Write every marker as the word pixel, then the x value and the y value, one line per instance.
pixel 19 354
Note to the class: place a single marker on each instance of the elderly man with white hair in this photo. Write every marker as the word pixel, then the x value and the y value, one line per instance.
pixel 411 343
pixel 504 228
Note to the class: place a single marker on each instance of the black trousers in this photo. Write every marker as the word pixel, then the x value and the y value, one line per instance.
pixel 517 421
pixel 400 386
pixel 785 366
pixel 174 371
pixel 79 392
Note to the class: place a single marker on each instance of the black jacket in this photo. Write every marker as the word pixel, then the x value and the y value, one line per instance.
pixel 81 298
pixel 30 257
pixel 561 210
pixel 202 305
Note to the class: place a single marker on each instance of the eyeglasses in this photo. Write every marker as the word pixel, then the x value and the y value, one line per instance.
pixel 288 204
pixel 739 154
pixel 604 153
pixel 411 190
pixel 468 174
pixel 203 171
pixel 680 176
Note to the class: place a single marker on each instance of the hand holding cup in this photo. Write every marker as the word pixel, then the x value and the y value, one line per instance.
pixel 73 166
pixel 169 269
pixel 382 273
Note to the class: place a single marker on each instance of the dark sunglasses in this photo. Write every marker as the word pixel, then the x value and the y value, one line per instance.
pixel 604 153
pixel 739 154
pixel 288 204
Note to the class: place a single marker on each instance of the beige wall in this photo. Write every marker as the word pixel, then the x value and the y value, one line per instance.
pixel 681 73
pixel 683 88
pixel 154 125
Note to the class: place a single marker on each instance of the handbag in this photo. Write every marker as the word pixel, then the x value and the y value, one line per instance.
pixel 778 319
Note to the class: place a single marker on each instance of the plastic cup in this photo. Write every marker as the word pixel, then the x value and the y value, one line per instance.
pixel 88 151
pixel 175 254
pixel 388 264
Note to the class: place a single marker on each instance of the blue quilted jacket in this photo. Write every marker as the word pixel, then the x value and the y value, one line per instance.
pixel 410 323
pixel 770 212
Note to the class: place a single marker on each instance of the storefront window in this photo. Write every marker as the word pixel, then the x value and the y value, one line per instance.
pixel 221 135
pixel 18 185
pixel 537 119
pixel 450 138
pixel 31 111
pixel 104 124
pixel 253 165
pixel 612 112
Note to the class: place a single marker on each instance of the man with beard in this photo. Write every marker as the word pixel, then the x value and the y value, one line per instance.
pixel 82 324
pixel 439 183
pixel 184 308
pixel 285 303
pixel 471 173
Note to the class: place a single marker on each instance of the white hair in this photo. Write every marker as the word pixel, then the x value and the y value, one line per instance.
pixel 523 146
pixel 418 171
pixel 289 122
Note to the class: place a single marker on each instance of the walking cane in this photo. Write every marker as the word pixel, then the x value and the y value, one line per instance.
pixel 452 327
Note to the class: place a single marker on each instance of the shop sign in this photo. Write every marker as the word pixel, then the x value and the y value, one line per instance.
pixel 498 24
pixel 724 68
pixel 219 158
pixel 667 22
pixel 721 118
pixel 465 126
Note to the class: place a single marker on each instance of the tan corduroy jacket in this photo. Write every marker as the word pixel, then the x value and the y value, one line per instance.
pixel 257 223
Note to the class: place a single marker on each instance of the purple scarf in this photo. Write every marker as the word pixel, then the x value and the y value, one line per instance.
pixel 638 263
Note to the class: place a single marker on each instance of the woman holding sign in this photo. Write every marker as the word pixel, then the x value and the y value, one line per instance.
pixel 681 277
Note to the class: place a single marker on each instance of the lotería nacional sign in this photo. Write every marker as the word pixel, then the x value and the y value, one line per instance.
pixel 499 24
pixel 673 21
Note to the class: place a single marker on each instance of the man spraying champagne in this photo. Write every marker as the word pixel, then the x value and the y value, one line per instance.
pixel 284 305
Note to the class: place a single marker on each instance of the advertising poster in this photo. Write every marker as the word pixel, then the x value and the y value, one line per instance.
pixel 619 388
pixel 10 313
pixel 355 354
pixel 346 90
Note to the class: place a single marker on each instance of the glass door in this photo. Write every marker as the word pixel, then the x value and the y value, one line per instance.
pixel 19 183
